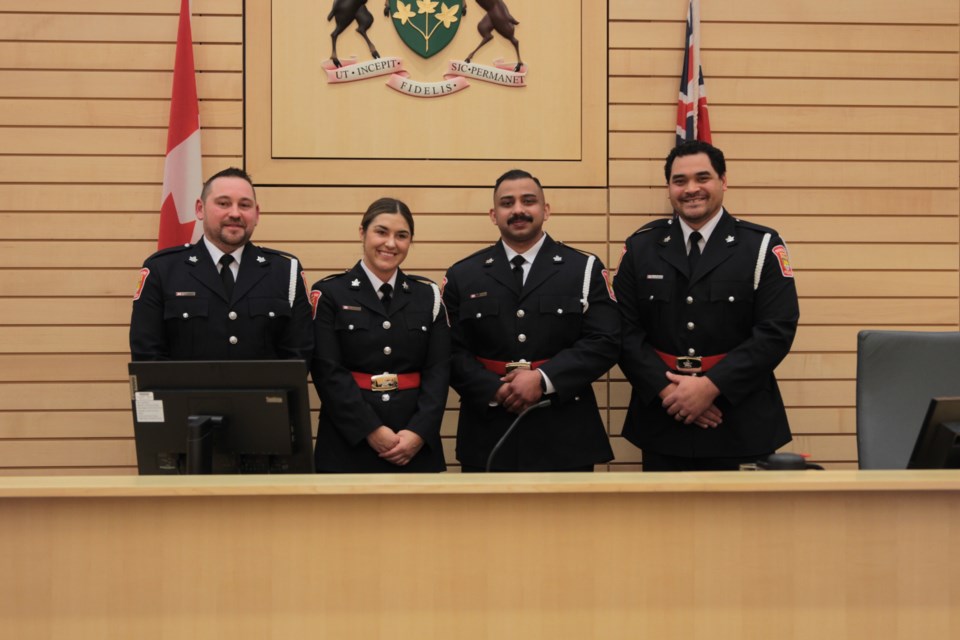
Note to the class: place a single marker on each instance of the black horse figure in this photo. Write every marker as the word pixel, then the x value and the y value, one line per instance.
pixel 346 11
pixel 498 19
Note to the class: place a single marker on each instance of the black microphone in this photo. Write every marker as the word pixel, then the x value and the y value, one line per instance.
pixel 503 438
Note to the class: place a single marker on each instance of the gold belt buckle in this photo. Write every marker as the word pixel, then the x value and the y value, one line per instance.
pixel 521 364
pixel 689 364
pixel 384 382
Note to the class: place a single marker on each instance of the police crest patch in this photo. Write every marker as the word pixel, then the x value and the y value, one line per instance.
pixel 142 280
pixel 784 259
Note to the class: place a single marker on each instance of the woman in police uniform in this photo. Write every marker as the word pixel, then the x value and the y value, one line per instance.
pixel 381 357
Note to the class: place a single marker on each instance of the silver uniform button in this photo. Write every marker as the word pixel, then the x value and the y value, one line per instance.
pixel 232 315
pixel 385 397
pixel 479 315
pixel 559 312
pixel 386 324
pixel 233 340
pixel 271 314
pixel 689 299
pixel 522 337
pixel 651 297
pixel 350 327
pixel 690 326
pixel 423 328
pixel 387 351
pixel 691 351
pixel 521 313
pixel 730 298
pixel 185 315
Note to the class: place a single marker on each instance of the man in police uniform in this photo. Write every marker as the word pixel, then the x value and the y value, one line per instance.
pixel 531 319
pixel 223 298
pixel 709 310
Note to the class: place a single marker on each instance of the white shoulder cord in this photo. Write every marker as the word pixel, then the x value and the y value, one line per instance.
pixel 760 259
pixel 586 282
pixel 436 300
pixel 291 294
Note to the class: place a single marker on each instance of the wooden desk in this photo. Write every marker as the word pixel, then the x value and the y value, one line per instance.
pixel 840 554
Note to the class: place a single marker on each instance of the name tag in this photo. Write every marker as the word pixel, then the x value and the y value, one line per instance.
pixel 654 276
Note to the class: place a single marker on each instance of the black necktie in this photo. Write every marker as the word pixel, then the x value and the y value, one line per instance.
pixel 517 263
pixel 226 274
pixel 386 295
pixel 694 254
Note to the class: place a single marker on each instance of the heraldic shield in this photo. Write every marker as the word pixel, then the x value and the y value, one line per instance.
pixel 426 26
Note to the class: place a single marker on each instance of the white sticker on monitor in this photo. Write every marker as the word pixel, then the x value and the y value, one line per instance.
pixel 148 409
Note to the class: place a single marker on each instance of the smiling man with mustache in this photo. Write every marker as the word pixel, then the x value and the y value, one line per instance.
pixel 709 309
pixel 223 298
pixel 531 319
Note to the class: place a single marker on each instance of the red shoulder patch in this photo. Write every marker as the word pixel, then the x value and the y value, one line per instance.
pixel 606 279
pixel 784 259
pixel 142 280
pixel 314 299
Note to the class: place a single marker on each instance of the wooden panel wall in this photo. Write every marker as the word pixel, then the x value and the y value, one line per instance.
pixel 840 122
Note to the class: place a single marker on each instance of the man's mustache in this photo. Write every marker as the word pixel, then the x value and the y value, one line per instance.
pixel 523 217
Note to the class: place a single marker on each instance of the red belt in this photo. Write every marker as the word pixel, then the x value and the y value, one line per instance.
pixel 690 364
pixel 386 381
pixel 502 367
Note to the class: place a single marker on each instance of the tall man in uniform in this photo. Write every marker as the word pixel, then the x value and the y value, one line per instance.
pixel 223 298
pixel 531 319
pixel 709 310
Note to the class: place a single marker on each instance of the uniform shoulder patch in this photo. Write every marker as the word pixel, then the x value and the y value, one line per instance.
pixel 783 257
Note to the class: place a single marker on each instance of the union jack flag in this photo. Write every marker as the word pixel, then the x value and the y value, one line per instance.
pixel 693 122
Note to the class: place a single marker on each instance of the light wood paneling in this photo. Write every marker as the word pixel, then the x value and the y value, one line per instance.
pixel 766 36
pixel 839 120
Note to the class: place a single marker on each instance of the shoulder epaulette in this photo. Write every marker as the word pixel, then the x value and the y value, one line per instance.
pixel 659 223
pixel 577 249
pixel 171 250
pixel 475 253
pixel 759 228
pixel 334 275
pixel 422 279
pixel 277 252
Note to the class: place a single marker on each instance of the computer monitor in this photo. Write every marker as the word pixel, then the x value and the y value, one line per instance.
pixel 221 417
pixel 938 444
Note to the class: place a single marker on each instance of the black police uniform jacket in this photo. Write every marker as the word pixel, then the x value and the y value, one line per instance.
pixel 490 318
pixel 354 333
pixel 181 311
pixel 716 310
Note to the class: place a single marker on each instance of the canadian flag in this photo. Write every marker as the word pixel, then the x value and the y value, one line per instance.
pixel 182 170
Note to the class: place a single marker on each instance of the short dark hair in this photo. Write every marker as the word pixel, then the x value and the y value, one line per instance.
pixel 387 205
pixel 691 148
pixel 229 172
pixel 515 174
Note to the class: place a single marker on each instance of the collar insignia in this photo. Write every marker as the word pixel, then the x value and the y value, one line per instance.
pixel 193 259
pixel 557 259
pixel 405 286
pixel 665 240
pixel 729 238
pixel 261 259
pixel 489 261
pixel 355 284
